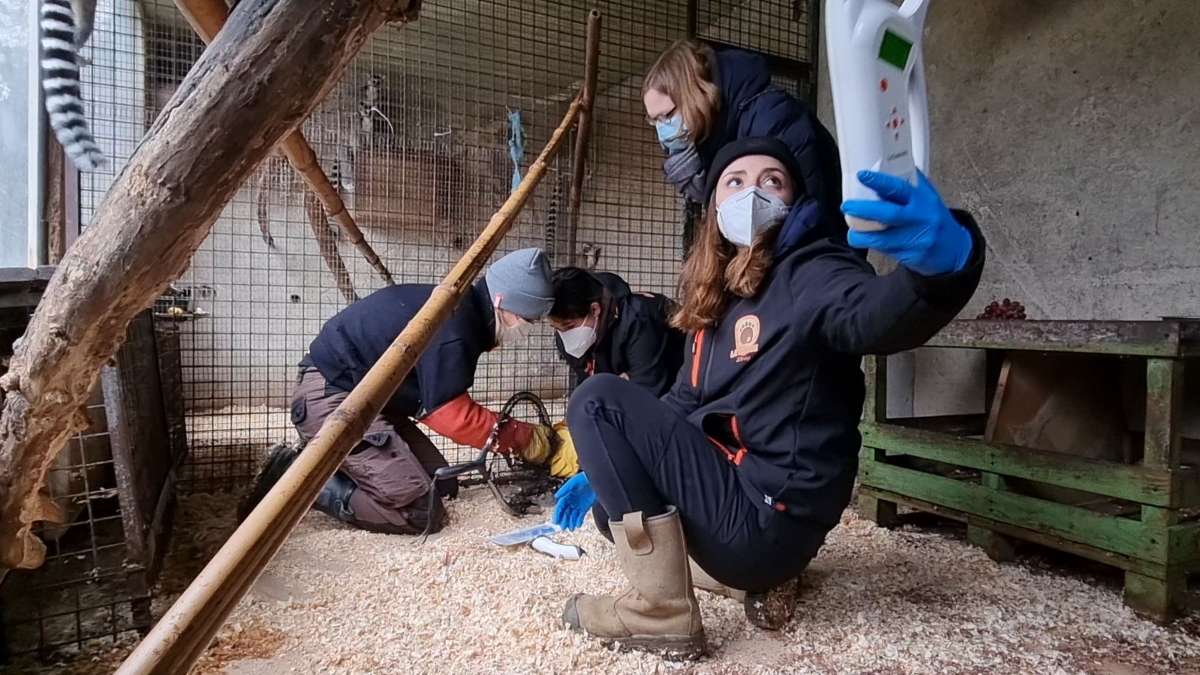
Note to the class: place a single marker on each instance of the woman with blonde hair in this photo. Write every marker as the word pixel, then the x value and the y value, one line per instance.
pixel 747 463
pixel 699 100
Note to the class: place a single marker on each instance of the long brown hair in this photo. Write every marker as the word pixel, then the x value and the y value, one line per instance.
pixel 685 73
pixel 716 271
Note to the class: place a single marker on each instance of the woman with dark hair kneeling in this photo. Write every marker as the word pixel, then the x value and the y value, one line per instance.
pixel 749 460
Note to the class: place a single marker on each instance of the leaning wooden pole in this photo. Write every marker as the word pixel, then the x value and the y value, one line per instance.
pixel 583 135
pixel 329 248
pixel 186 630
pixel 207 17
pixel 271 66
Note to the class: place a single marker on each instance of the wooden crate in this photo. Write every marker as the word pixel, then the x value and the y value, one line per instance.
pixel 1143 519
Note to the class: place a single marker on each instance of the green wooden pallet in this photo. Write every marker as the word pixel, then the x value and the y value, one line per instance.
pixel 1144 521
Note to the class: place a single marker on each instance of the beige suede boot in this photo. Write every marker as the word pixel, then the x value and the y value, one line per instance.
pixel 659 613
pixel 770 610
pixel 701 580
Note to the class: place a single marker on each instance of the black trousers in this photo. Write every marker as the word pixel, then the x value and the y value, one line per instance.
pixel 640 455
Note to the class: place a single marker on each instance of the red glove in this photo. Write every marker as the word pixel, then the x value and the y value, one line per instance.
pixel 464 421
pixel 514 436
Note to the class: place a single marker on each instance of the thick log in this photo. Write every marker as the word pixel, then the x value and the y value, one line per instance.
pixel 207 17
pixel 263 75
pixel 183 634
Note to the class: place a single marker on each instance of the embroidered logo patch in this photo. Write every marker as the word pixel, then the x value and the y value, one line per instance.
pixel 745 338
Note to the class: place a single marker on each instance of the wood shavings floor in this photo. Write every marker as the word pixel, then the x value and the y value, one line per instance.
pixel 875 601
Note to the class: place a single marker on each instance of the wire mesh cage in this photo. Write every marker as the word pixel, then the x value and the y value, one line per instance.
pixel 113 487
pixel 423 138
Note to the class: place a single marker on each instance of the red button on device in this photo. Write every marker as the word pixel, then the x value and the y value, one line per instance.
pixel 883 84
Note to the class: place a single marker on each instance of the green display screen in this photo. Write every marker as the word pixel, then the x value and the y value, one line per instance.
pixel 895 49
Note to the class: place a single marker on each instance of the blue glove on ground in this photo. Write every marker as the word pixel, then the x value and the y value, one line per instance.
pixel 921 232
pixel 575 499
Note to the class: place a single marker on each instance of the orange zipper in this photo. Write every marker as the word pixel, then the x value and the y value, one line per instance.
pixel 737 436
pixel 697 347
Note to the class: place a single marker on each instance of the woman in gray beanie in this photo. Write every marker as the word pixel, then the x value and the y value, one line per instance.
pixel 383 486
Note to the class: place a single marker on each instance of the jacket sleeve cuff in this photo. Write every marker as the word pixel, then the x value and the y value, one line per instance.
pixel 463 421
pixel 949 284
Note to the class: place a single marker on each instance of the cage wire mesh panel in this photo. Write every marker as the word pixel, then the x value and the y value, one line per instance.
pixel 422 137
pixel 80 594
pixel 89 588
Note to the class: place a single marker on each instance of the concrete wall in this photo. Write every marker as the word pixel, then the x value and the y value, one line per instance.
pixel 1070 129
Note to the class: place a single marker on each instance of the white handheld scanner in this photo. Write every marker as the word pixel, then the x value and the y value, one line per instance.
pixel 877 74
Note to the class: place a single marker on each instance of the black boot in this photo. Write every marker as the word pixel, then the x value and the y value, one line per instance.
pixel 278 461
pixel 334 499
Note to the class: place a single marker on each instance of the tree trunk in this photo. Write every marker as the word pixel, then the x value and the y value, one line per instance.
pixel 266 71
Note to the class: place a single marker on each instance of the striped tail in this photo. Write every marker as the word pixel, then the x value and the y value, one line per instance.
pixel 60 79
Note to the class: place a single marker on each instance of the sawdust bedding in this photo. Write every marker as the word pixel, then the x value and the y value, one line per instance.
pixel 337 600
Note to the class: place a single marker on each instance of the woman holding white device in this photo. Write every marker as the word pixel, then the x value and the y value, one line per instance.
pixel 747 463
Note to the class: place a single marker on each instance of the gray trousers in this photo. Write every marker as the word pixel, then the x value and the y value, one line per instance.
pixel 392 465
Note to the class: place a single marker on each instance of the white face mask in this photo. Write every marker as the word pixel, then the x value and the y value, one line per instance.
pixel 576 341
pixel 748 212
pixel 517 332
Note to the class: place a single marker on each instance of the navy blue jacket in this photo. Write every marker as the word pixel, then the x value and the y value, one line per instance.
pixel 638 340
pixel 777 383
pixel 354 339
pixel 751 106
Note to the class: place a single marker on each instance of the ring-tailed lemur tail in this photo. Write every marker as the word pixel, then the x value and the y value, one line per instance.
pixel 66 26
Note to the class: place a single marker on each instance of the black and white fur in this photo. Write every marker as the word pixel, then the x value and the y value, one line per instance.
pixel 66 27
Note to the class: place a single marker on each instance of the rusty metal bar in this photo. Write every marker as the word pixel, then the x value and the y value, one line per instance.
pixel 207 17
pixel 186 630
pixel 583 134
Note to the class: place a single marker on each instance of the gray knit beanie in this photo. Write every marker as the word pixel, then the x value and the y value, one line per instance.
pixel 522 280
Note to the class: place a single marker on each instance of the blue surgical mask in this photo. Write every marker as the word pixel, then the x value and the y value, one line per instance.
pixel 746 213
pixel 672 133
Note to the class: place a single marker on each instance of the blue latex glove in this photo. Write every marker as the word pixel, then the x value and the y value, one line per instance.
pixel 921 232
pixel 575 499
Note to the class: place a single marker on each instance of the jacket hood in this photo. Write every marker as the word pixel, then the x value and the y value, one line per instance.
pixel 803 224
pixel 741 76
pixel 616 286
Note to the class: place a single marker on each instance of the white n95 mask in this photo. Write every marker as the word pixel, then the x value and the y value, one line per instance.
pixel 748 212
pixel 576 341
pixel 514 333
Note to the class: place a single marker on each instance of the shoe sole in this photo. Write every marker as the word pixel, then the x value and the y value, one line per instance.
pixel 670 647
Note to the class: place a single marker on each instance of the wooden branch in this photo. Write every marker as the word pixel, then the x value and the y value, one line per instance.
pixel 304 160
pixel 262 202
pixel 583 134
pixel 54 205
pixel 185 631
pixel 329 247
pixel 207 17
pixel 257 81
